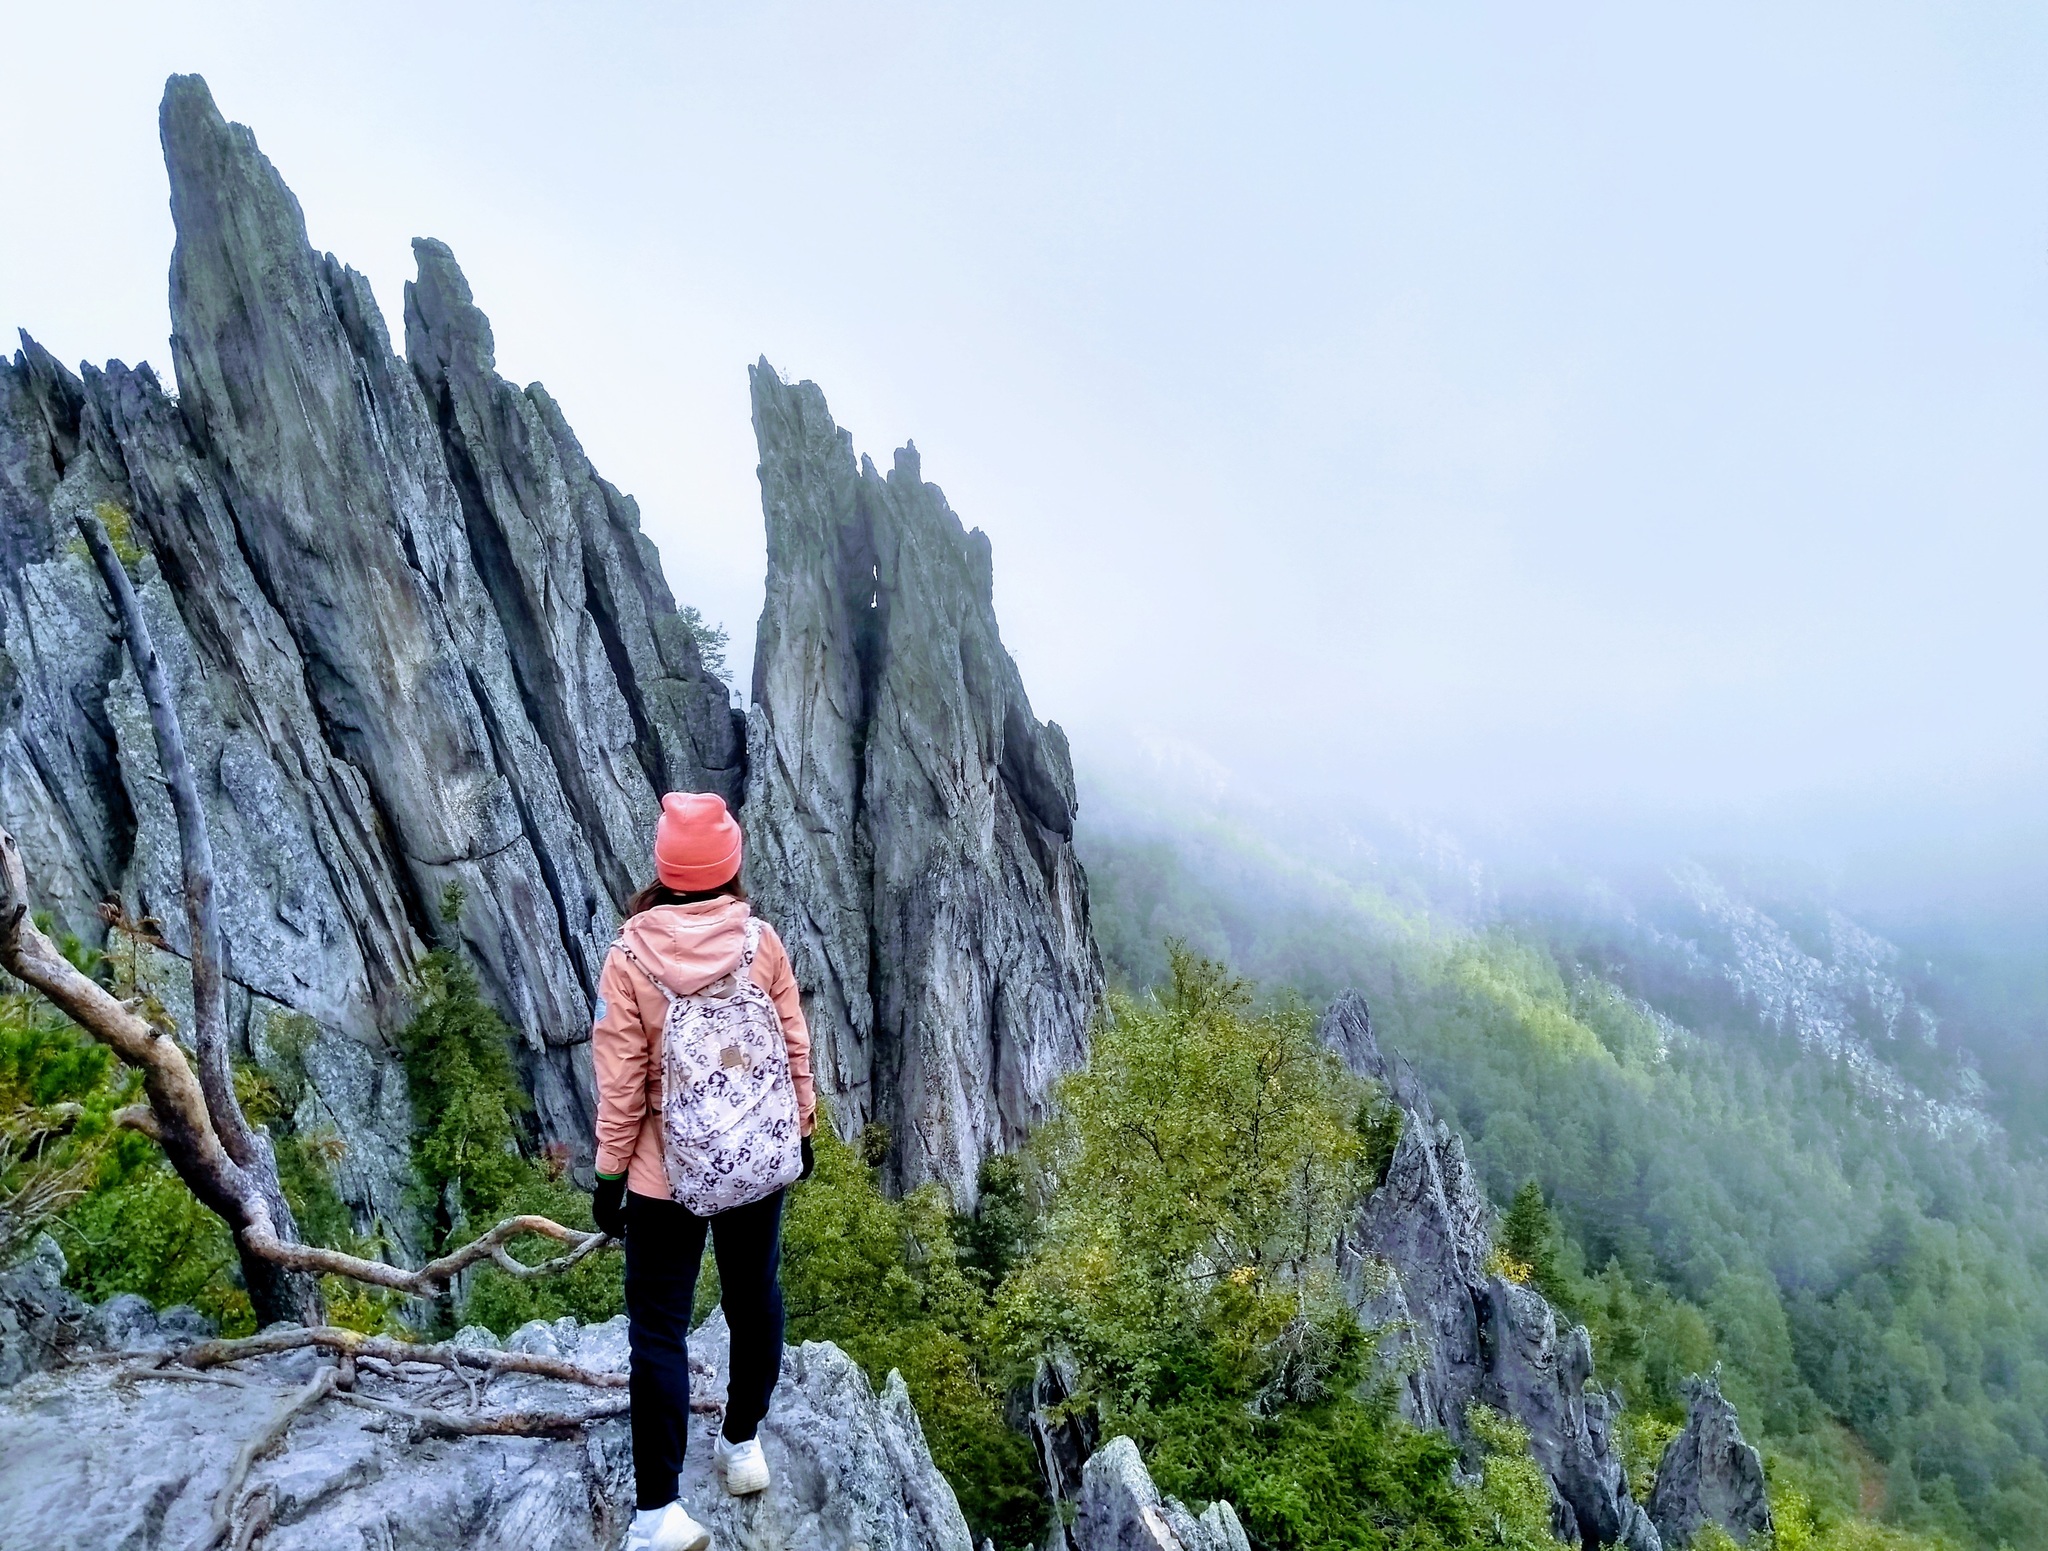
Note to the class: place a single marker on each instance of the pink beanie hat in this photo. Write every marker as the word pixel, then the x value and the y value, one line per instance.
pixel 696 842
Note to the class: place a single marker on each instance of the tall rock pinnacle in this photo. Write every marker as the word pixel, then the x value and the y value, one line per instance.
pixel 911 822
pixel 426 659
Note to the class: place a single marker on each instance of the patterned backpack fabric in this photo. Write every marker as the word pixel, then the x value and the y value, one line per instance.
pixel 729 1131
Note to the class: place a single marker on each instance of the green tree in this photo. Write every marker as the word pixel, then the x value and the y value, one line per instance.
pixel 890 1282
pixel 1205 1161
pixel 1529 1234
pixel 711 640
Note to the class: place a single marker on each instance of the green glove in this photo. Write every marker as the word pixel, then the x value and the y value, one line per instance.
pixel 608 1204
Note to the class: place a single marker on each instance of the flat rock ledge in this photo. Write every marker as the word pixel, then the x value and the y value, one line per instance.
pixel 93 1457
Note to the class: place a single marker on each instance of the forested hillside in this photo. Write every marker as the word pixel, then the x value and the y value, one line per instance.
pixel 1751 1142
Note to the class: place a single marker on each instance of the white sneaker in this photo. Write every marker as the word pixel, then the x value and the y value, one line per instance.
pixel 745 1466
pixel 666 1529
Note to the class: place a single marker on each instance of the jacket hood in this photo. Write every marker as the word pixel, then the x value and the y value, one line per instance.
pixel 689 946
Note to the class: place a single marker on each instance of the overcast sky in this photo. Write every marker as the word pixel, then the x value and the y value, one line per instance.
pixel 1526 409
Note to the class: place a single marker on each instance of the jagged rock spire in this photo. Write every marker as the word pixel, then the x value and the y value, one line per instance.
pixel 1709 1473
pixel 422 651
pixel 911 821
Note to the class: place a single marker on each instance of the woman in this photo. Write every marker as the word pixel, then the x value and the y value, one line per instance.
pixel 689 937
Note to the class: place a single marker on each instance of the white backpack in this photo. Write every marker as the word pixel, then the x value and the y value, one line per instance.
pixel 729 1130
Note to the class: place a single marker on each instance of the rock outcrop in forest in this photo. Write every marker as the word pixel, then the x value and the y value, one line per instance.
pixel 911 821
pixel 1709 1474
pixel 1415 1264
pixel 1120 1509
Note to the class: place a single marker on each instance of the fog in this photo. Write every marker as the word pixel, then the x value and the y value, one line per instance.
pixel 1586 421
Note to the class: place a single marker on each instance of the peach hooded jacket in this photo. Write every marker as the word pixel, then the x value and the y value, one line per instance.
pixel 688 946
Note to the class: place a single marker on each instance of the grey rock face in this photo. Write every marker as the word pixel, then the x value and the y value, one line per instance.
pixel 910 821
pixel 40 1319
pixel 87 1461
pixel 1709 1474
pixel 416 640
pixel 42 1323
pixel 1121 1510
pixel 1063 1438
pixel 1414 1264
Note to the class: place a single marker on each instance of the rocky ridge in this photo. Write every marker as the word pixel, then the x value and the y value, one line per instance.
pixel 426 660
pixel 428 663
pixel 1415 1264
pixel 95 1453
pixel 911 821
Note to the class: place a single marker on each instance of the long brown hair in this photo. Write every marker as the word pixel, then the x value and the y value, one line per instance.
pixel 657 894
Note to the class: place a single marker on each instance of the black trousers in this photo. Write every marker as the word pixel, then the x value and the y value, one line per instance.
pixel 664 1248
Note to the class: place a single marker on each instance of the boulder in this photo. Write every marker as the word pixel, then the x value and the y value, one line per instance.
pixel 40 1318
pixel 1709 1474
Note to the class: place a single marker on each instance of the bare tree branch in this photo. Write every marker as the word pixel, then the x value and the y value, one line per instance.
pixel 140 1117
pixel 433 1278
pixel 277 1291
pixel 517 1424
pixel 195 851
pixel 332 1338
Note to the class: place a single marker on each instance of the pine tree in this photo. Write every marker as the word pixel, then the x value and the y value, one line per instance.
pixel 1529 1234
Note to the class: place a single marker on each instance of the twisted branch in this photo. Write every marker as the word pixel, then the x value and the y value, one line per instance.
pixel 332 1338
pixel 497 1424
pixel 433 1277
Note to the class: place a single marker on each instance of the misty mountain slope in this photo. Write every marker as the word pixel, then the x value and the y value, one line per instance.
pixel 1757 1155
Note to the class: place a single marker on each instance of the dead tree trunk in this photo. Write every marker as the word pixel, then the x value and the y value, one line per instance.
pixel 278 1292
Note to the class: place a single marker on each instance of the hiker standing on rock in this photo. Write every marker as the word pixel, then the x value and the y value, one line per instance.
pixel 704 1116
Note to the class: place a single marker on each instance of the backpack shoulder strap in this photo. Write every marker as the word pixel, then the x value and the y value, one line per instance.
pixel 751 937
pixel 659 984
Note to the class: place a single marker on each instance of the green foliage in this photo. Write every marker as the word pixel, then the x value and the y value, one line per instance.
pixel 1801 1526
pixel 471 1151
pixel 711 640
pixel 127 1223
pixel 120 527
pixel 142 1231
pixel 465 1093
pixel 1207 1130
pixel 1204 1161
pixel 1514 1494
pixel 1003 1228
pixel 905 1285
pixel 1529 1233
